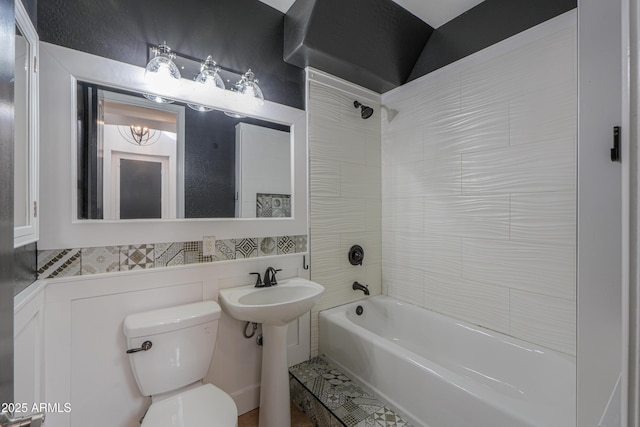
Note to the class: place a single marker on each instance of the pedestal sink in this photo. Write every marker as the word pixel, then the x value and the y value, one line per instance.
pixel 274 307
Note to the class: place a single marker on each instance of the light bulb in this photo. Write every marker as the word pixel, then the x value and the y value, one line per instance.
pixel 162 72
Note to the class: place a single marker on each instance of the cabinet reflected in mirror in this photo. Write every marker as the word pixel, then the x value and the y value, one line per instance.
pixel 143 160
pixel 25 130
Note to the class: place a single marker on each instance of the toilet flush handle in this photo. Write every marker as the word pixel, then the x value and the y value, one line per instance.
pixel 145 346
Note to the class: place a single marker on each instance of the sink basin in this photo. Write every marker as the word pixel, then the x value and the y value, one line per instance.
pixel 275 305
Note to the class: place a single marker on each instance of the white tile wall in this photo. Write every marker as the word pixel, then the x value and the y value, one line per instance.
pixel 345 191
pixel 479 187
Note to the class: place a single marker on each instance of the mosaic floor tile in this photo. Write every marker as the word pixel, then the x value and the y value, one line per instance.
pixel 136 257
pixel 368 403
pixel 286 245
pixel 350 413
pixel 246 248
pixel 267 246
pixel 104 259
pixel 332 391
pixel 168 254
pixel 387 418
pixel 59 263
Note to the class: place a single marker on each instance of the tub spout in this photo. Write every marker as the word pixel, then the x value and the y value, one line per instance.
pixel 360 287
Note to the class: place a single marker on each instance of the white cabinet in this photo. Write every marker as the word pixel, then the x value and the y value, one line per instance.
pixel 26 130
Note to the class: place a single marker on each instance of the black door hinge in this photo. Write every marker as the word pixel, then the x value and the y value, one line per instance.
pixel 615 151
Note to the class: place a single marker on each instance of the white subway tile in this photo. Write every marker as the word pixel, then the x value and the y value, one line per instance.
pixel 403 283
pixel 544 217
pixel 405 144
pixel 544 269
pixel 481 128
pixel 543 63
pixel 338 215
pixel 442 175
pixel 547 321
pixel 324 178
pixel 541 167
pixel 476 216
pixel 549 114
pixel 360 181
pixel 464 299
pixel 406 215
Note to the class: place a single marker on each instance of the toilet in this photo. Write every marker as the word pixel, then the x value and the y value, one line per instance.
pixel 170 351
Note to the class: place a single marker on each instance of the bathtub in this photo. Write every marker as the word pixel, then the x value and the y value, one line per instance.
pixel 441 372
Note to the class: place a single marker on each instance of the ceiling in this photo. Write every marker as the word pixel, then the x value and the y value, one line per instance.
pixel 433 12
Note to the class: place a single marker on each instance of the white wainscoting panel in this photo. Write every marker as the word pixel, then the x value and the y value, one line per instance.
pixel 28 326
pixel 85 361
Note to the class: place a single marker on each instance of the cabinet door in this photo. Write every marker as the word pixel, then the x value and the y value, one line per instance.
pixel 26 130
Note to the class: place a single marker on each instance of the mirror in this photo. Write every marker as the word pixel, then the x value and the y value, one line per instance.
pixel 62 224
pixel 26 131
pixel 139 159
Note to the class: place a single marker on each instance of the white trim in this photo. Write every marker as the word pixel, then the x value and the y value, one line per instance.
pixel 344 85
pixel 60 69
pixel 29 233
pixel 625 156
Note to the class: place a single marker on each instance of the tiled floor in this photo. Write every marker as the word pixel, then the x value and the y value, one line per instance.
pixel 331 399
pixel 298 419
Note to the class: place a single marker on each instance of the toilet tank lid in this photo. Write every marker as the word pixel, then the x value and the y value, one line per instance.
pixel 170 318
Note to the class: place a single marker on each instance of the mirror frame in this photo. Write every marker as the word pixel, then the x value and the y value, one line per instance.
pixel 29 233
pixel 60 70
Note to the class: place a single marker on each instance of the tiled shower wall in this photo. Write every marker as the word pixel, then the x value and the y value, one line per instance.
pixel 479 188
pixel 345 192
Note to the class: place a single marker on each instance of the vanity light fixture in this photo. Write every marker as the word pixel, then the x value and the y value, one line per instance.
pixel 162 71
pixel 139 135
pixel 167 67
pixel 210 78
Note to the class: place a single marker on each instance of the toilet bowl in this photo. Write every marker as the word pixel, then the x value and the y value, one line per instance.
pixel 170 350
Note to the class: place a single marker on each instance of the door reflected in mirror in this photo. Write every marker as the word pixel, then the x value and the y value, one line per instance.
pixel 21 151
pixel 143 160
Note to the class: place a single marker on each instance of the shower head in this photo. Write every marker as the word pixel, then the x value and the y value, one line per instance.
pixel 365 112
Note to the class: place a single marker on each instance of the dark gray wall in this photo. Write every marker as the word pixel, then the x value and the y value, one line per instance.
pixel 7 54
pixel 380 46
pixel 486 24
pixel 239 34
pixel 24 267
pixel 373 43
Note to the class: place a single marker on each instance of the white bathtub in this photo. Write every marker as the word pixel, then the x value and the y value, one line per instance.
pixel 441 372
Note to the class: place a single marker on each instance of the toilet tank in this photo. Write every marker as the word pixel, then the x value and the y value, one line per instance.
pixel 183 339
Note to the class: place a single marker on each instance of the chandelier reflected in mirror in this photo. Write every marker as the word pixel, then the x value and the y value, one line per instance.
pixel 139 135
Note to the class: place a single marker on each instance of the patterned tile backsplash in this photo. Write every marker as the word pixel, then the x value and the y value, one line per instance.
pixel 107 259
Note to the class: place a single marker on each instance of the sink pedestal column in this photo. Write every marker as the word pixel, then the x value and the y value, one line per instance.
pixel 274 384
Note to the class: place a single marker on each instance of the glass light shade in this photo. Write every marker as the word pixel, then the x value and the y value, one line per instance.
pixel 210 79
pixel 161 71
pixel 248 86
